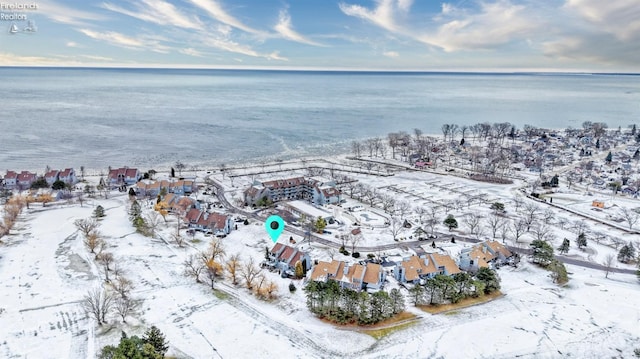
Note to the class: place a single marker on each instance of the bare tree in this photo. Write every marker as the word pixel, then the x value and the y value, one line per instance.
pixel 87 225
pixel 354 239
pixel 433 219
pixel 356 147
pixel 122 286
pixel 178 239
pixel 193 266
pixel 542 232
pixel 630 216
pixel 580 226
pixel 250 272
pixel 388 203
pixel 98 303
pixel 421 212
pixel 214 270
pixel 495 223
pixel 472 220
pixel 402 208
pixel 518 228
pixel 608 262
pixel 124 306
pixel 153 220
pixel 548 216
pixel 233 266
pixel 517 202
pixel 106 258
pixel 531 213
pixel 215 251
pixel 93 241
pixel 395 227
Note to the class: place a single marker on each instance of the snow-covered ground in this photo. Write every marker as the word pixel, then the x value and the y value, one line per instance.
pixel 45 270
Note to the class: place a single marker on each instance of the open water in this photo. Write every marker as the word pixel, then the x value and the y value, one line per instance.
pixel 154 117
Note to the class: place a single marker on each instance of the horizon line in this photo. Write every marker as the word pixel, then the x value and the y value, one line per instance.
pixel 317 69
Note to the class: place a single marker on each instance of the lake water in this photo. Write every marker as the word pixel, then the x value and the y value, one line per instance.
pixel 154 117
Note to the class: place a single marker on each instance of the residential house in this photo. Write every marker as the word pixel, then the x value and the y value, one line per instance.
pixel 51 177
pixel 284 258
pixel 151 189
pixel 486 254
pixel 10 180
pixel 180 204
pixel 314 190
pixel 418 269
pixel 68 176
pixel 355 276
pixel 374 277
pixel 124 176
pixel 216 223
pixel 20 181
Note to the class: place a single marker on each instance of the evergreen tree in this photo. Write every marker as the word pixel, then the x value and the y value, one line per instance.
pixel 582 240
pixel 636 155
pixel 417 294
pixel 490 279
pixel 157 340
pixel 497 207
pixel 609 157
pixel 598 143
pixel 564 247
pixel 450 222
pixel 555 181
pixel 397 300
pixel 135 210
pixel 320 224
pixel 542 252
pixel 58 185
pixel 98 212
pixel 633 130
pixel 130 348
pixel 558 272
pixel 627 253
pixel 39 183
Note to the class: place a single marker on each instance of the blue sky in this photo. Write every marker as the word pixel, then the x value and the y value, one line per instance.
pixel 463 35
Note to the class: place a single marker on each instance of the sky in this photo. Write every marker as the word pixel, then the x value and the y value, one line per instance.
pixel 394 35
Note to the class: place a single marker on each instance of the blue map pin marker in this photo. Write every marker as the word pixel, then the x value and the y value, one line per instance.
pixel 274 226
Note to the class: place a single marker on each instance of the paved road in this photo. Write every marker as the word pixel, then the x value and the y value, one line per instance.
pixel 404 244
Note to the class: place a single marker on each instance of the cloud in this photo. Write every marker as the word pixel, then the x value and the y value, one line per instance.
pixel 144 42
pixel 66 15
pixel 158 12
pixel 593 32
pixel 382 15
pixel 232 46
pixel 9 59
pixel 97 58
pixel 620 18
pixel 114 38
pixel 191 52
pixel 215 10
pixel 494 25
pixel 285 29
pixel 391 54
pixel 72 44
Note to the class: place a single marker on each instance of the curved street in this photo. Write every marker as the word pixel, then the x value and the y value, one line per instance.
pixel 219 192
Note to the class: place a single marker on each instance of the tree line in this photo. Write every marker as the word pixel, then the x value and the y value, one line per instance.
pixel 442 288
pixel 346 306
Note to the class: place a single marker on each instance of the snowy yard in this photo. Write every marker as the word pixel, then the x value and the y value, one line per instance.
pixel 45 271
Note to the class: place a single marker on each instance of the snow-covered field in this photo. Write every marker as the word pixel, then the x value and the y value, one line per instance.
pixel 45 271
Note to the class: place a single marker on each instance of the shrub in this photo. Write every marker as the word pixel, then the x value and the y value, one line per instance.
pixel 292 287
pixel 356 255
